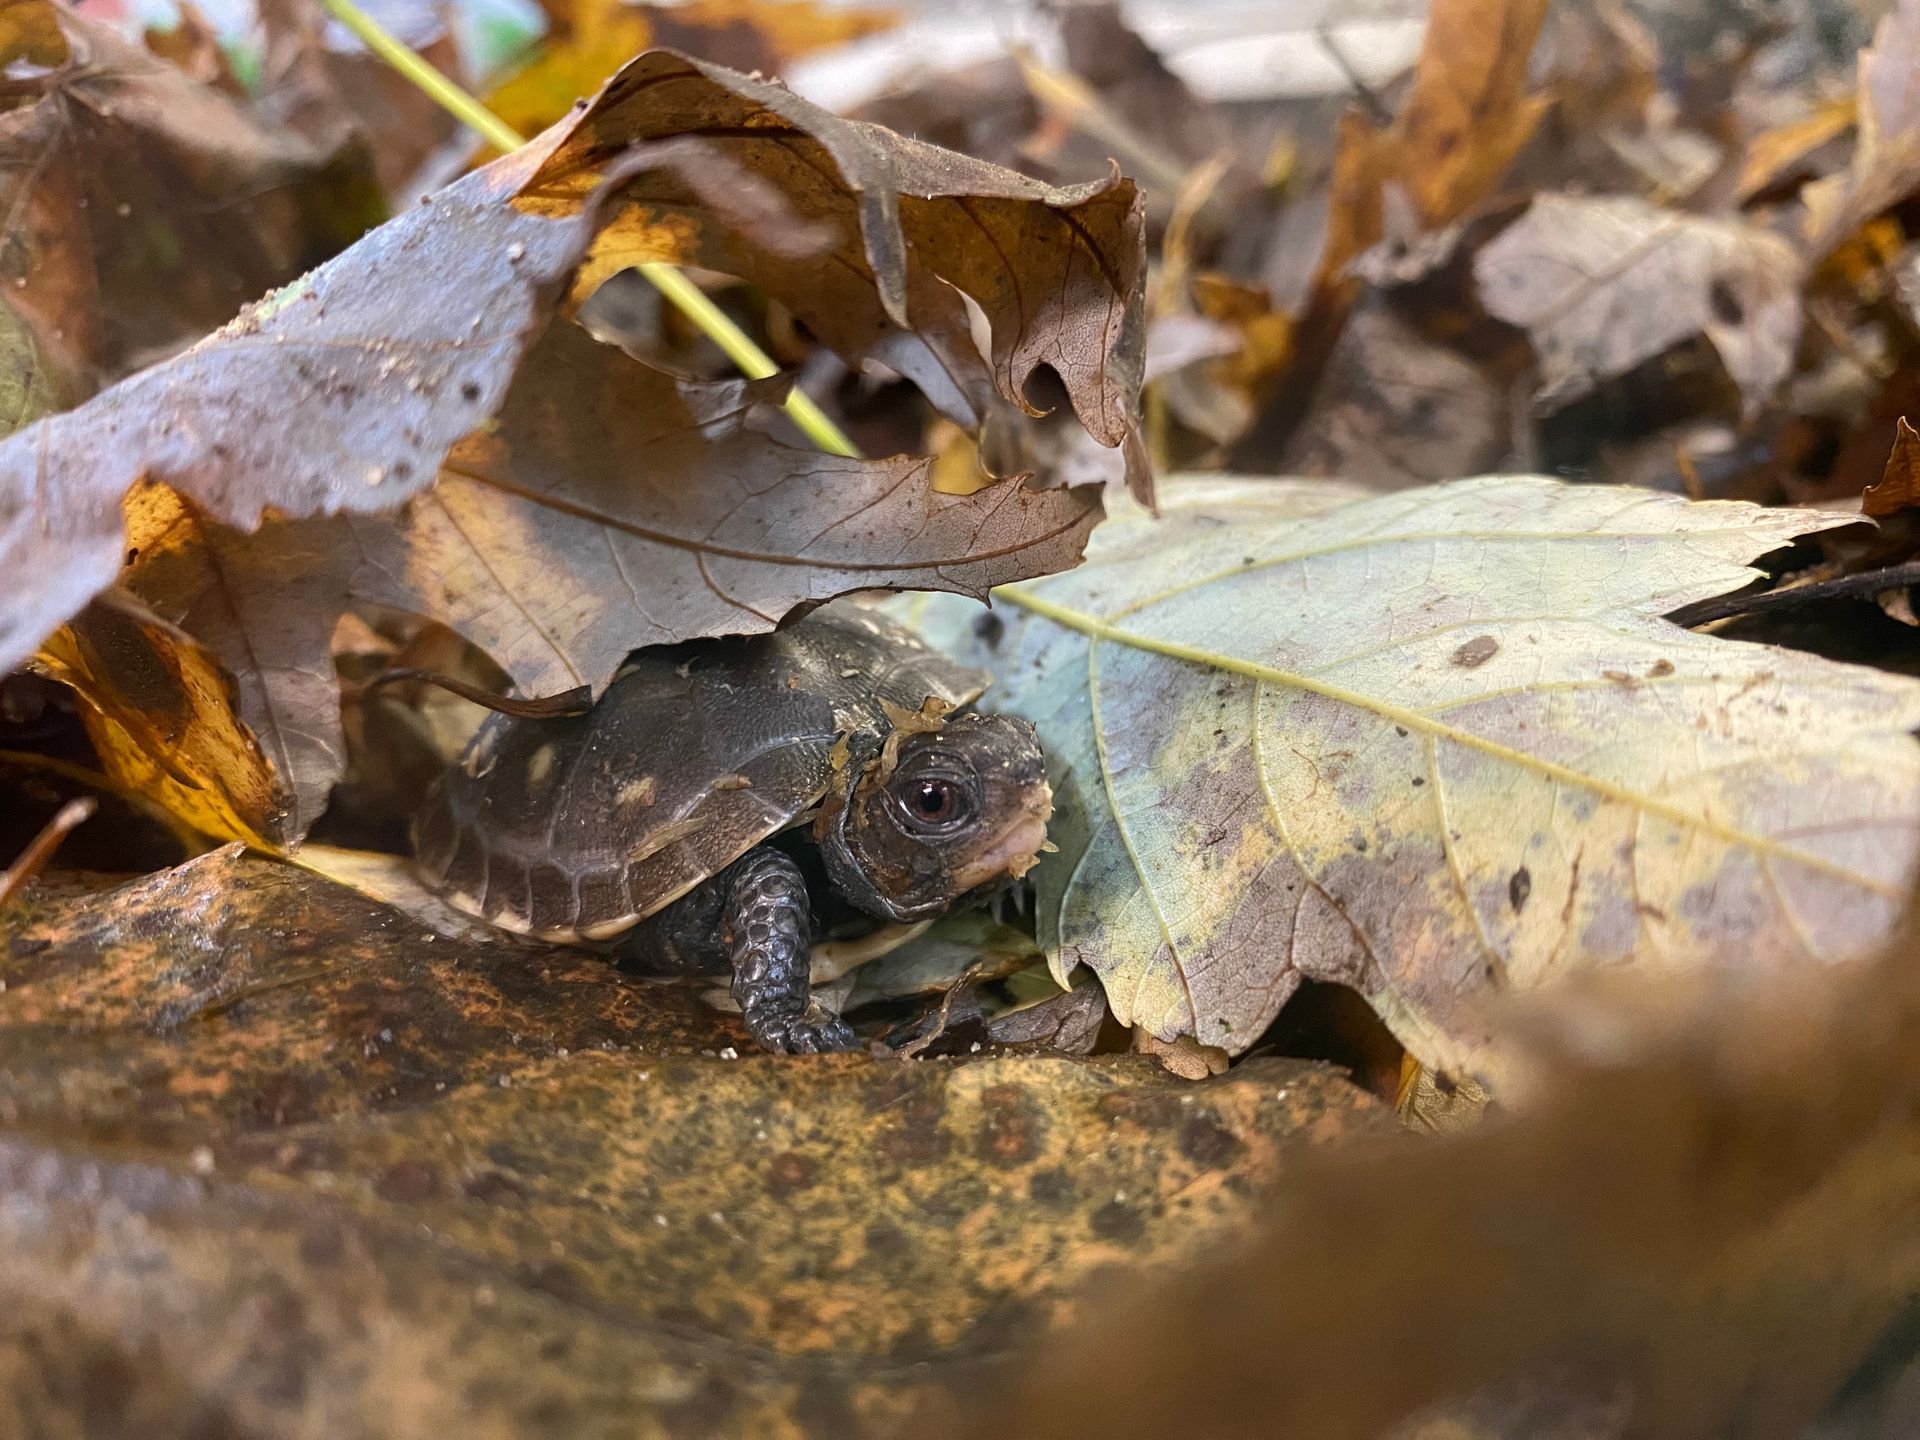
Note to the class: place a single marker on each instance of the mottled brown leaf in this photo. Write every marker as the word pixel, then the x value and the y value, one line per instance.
pixel 1433 746
pixel 268 1153
pixel 142 209
pixel 1601 284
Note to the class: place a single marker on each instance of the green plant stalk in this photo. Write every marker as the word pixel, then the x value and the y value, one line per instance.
pixel 688 298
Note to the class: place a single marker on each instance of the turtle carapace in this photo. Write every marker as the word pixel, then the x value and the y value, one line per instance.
pixel 647 819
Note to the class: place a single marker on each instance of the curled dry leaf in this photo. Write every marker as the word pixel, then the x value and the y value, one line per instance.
pixel 1601 284
pixel 604 506
pixel 1058 272
pixel 1885 167
pixel 1436 745
pixel 246 1095
pixel 143 209
pixel 1899 486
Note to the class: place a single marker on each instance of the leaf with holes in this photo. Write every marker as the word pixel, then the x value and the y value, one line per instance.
pixel 1435 744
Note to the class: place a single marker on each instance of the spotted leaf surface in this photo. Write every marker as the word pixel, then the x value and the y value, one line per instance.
pixel 1433 745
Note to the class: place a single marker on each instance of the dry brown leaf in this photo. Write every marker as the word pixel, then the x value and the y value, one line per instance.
pixel 1355 222
pixel 273 1154
pixel 1704 1226
pixel 1468 114
pixel 1899 488
pixel 144 209
pixel 607 507
pixel 345 391
pixel 1886 158
pixel 1058 272
pixel 1601 284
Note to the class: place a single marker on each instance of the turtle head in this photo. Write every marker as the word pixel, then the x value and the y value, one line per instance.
pixel 929 820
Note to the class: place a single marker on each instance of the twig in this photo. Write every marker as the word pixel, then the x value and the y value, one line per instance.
pixel 576 701
pixel 14 879
pixel 1867 582
pixel 690 299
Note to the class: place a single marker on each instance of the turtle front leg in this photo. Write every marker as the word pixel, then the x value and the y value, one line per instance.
pixel 767 928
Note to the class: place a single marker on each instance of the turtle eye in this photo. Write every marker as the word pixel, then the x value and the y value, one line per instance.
pixel 933 800
pixel 934 804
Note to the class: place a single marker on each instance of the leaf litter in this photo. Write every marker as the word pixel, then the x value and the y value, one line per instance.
pixel 1592 259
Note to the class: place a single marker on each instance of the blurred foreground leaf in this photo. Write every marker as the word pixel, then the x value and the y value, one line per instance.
pixel 269 1154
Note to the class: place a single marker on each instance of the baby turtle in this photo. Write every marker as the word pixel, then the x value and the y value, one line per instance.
pixel 649 818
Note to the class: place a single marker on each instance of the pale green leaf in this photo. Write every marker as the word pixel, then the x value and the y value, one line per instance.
pixel 1436 744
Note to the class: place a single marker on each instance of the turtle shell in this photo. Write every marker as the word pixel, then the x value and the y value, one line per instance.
pixel 578 828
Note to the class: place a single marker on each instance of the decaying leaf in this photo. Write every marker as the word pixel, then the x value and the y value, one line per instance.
pixel 1899 487
pixel 1602 283
pixel 1468 114
pixel 341 392
pixel 272 1155
pixel 1058 272
pixel 1885 168
pixel 144 209
pixel 156 707
pixel 346 392
pixel 1435 745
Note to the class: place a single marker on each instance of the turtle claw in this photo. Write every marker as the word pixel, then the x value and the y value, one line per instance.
pixel 814 1033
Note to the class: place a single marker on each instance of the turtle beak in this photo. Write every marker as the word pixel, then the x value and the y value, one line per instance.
pixel 1014 850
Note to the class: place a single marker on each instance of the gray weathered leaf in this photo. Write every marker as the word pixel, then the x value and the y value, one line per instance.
pixel 1602 283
